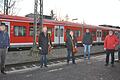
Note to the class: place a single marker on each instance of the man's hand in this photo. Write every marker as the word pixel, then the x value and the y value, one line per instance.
pixel 105 49
pixel 75 46
pixel 40 48
pixel 52 47
pixel 83 44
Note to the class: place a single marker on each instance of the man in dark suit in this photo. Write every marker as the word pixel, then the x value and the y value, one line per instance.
pixel 43 46
pixel 70 42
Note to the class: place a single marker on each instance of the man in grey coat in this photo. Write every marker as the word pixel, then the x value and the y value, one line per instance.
pixel 4 44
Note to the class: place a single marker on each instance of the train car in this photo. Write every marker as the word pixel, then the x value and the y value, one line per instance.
pixel 20 30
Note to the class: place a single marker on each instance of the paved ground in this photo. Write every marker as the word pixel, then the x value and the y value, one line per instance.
pixel 61 71
pixel 22 57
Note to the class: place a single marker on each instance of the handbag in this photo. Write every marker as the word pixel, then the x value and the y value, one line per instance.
pixel 49 48
pixel 49 45
pixel 74 49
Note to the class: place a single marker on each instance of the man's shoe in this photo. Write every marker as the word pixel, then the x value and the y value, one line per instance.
pixel 41 66
pixel 46 66
pixel 106 64
pixel 88 62
pixel 3 72
pixel 67 62
pixel 118 60
pixel 74 63
pixel 112 65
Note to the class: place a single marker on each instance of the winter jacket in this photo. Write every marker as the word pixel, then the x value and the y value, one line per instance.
pixel 43 43
pixel 87 39
pixel 4 40
pixel 110 42
pixel 69 41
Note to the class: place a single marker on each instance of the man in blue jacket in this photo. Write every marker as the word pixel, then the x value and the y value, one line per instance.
pixel 4 44
pixel 87 43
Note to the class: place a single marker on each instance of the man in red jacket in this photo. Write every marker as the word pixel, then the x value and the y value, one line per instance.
pixel 110 43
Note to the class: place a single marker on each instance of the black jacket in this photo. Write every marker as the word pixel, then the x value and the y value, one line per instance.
pixel 87 39
pixel 69 41
pixel 43 43
pixel 4 40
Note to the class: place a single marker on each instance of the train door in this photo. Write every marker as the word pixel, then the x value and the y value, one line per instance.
pixel 99 35
pixel 59 35
pixel 7 24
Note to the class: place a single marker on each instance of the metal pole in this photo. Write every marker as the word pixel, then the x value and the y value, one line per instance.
pixel 7 7
pixel 82 29
pixel 35 23
pixel 41 15
pixel 4 6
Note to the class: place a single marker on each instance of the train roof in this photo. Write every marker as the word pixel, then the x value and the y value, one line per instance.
pixel 52 22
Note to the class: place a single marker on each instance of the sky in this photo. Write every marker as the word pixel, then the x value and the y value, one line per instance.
pixel 93 12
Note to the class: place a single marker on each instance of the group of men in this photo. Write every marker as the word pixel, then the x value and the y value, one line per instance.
pixel 110 43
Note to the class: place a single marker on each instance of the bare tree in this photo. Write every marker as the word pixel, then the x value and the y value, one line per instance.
pixel 10 7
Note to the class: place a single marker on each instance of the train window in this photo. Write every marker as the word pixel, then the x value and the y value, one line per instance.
pixel 99 34
pixel 56 32
pixel 31 31
pixel 61 32
pixel 50 31
pixel 105 33
pixel 19 31
pixel 77 33
pixel 116 33
pixel 93 33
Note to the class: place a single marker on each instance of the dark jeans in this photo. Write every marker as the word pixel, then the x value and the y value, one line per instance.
pixel 69 56
pixel 108 52
pixel 43 60
pixel 118 53
pixel 3 53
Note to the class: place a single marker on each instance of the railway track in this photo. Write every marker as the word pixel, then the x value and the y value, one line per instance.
pixel 11 68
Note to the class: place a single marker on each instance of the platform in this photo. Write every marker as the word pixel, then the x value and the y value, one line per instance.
pixel 62 71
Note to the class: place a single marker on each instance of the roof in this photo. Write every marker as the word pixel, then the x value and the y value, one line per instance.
pixel 52 22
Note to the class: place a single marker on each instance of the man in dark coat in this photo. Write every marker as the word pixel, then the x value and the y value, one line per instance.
pixel 70 38
pixel 87 43
pixel 43 46
pixel 4 44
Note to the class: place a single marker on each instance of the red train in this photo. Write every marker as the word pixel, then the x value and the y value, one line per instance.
pixel 20 30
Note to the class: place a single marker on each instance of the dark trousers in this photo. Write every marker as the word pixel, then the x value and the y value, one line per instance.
pixel 118 53
pixel 69 56
pixel 3 53
pixel 43 60
pixel 108 52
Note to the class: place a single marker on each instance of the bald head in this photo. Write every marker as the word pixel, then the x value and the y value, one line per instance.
pixel 110 32
pixel 44 29
pixel 71 33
